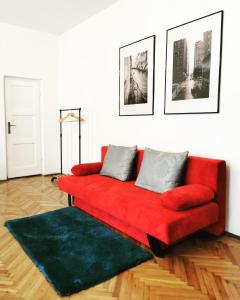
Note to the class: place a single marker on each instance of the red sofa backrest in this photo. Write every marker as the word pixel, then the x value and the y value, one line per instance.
pixel 206 171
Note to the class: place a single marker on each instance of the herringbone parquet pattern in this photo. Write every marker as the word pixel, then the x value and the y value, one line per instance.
pixel 199 268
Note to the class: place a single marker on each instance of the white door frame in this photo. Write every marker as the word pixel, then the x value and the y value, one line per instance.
pixel 40 118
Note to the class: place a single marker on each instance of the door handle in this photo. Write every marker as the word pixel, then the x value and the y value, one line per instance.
pixel 9 127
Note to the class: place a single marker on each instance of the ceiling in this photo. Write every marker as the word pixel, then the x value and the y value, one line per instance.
pixel 53 16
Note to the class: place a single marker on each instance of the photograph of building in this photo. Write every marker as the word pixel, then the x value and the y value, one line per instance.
pixel 191 68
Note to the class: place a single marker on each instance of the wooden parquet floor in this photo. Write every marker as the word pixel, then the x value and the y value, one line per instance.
pixel 199 268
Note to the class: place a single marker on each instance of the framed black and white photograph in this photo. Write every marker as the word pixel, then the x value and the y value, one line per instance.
pixel 136 78
pixel 193 66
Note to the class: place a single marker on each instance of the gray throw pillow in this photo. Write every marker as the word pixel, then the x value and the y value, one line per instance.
pixel 161 171
pixel 118 162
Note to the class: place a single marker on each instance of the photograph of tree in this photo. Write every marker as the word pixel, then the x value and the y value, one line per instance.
pixel 136 78
pixel 191 68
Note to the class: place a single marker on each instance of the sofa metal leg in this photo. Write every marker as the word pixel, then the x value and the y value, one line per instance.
pixel 69 200
pixel 158 248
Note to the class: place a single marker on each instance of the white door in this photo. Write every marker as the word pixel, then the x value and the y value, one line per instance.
pixel 22 98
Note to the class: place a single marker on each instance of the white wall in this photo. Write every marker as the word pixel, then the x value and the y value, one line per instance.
pixel 32 54
pixel 89 78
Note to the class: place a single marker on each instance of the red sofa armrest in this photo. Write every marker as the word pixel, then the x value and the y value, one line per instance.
pixel 187 196
pixel 86 169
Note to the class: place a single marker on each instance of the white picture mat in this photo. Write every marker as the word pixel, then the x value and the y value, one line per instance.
pixel 133 49
pixel 190 31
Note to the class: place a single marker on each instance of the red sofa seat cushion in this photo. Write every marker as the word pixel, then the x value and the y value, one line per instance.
pixel 138 207
pixel 187 196
pixel 86 169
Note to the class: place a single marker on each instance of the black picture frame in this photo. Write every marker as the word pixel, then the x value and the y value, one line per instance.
pixel 137 109
pixel 217 69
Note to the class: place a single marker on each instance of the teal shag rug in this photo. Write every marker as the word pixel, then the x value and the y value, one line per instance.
pixel 73 250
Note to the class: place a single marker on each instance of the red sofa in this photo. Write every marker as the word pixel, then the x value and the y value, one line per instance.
pixel 139 212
